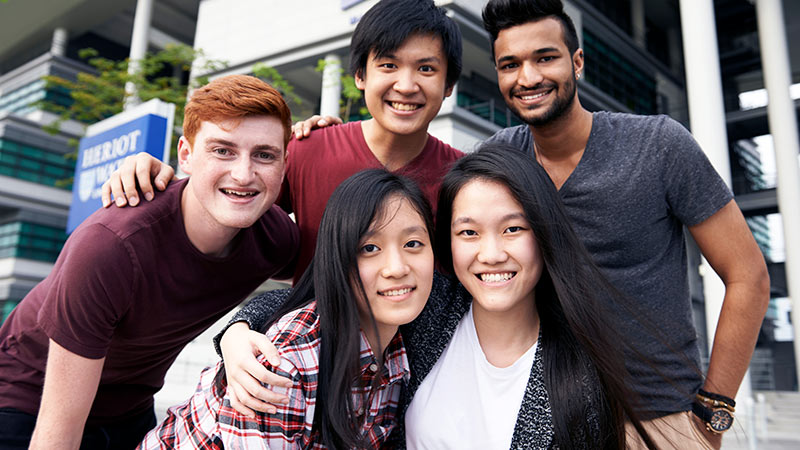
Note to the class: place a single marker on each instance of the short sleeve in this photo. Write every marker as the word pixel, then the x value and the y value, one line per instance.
pixel 694 189
pixel 92 289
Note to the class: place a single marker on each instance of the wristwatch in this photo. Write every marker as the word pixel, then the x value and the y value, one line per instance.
pixel 715 410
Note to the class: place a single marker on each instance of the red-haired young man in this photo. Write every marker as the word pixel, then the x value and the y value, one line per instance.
pixel 86 349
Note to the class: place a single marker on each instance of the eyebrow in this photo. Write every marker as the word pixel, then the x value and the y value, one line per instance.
pixel 507 217
pixel 408 230
pixel 429 59
pixel 227 143
pixel 535 52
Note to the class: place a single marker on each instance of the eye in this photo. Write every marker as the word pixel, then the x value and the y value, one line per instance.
pixel 267 156
pixel 414 244
pixel 547 58
pixel 467 233
pixel 222 151
pixel 427 69
pixel 369 248
pixel 509 66
pixel 388 65
pixel 514 229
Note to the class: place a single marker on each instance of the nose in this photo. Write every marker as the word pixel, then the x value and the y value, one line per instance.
pixel 406 82
pixel 492 251
pixel 395 264
pixel 242 171
pixel 529 75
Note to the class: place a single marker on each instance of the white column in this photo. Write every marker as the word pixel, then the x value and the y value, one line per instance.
pixel 783 127
pixel 638 23
pixel 707 119
pixel 331 87
pixel 139 39
pixel 58 46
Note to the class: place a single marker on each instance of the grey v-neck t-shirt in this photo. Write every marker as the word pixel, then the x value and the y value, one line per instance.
pixel 641 179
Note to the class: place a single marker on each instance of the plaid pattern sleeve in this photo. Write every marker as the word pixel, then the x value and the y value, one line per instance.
pixel 207 421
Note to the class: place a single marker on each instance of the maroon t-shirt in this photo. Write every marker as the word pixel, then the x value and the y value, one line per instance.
pixel 320 162
pixel 130 286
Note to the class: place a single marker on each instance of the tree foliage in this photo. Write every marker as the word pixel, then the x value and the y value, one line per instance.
pixel 100 94
pixel 351 95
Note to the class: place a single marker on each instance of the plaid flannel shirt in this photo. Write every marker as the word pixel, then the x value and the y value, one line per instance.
pixel 207 421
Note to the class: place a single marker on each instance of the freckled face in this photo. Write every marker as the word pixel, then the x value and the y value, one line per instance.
pixel 236 171
pixel 495 254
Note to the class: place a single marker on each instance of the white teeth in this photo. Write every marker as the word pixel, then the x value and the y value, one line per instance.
pixel 404 106
pixel 239 194
pixel 395 292
pixel 532 97
pixel 496 277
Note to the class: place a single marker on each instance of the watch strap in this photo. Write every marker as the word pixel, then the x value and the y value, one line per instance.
pixel 718 397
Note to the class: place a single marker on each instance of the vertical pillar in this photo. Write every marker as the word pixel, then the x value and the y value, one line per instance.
pixel 638 24
pixel 783 127
pixel 139 39
pixel 707 119
pixel 58 46
pixel 331 86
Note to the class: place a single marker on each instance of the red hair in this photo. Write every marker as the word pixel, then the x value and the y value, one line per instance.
pixel 234 97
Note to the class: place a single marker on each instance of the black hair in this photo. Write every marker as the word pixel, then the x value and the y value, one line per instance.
pixel 501 14
pixel 584 371
pixel 332 280
pixel 388 24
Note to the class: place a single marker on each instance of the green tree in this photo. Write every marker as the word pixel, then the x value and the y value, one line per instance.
pixel 351 96
pixel 101 94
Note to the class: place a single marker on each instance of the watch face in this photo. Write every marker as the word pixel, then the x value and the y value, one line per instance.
pixel 721 420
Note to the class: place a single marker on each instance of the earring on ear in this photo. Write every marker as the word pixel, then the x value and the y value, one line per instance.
pixel 578 75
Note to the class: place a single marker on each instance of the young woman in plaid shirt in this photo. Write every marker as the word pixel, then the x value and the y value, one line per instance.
pixel 372 272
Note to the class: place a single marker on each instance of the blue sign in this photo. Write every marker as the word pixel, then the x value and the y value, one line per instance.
pixel 102 154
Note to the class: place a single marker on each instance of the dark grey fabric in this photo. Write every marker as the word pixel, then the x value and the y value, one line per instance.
pixel 639 181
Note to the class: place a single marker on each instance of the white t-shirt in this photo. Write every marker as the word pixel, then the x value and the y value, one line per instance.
pixel 465 402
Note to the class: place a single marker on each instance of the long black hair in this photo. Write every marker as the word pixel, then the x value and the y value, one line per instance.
pixel 332 280
pixel 583 369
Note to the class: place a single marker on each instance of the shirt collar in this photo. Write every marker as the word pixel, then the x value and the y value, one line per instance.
pixel 395 366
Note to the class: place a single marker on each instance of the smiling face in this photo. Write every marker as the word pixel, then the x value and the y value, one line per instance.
pixel 404 89
pixel 236 173
pixel 495 254
pixel 536 72
pixel 395 263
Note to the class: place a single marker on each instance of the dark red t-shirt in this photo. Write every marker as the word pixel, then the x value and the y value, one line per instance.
pixel 130 286
pixel 320 162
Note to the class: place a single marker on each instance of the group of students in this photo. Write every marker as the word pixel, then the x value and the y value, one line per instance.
pixel 547 308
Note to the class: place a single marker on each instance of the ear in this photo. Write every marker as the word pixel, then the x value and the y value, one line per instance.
pixel 185 155
pixel 577 60
pixel 359 78
pixel 449 91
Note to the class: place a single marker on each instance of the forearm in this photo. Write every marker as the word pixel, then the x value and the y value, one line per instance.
pixel 255 313
pixel 69 389
pixel 737 331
